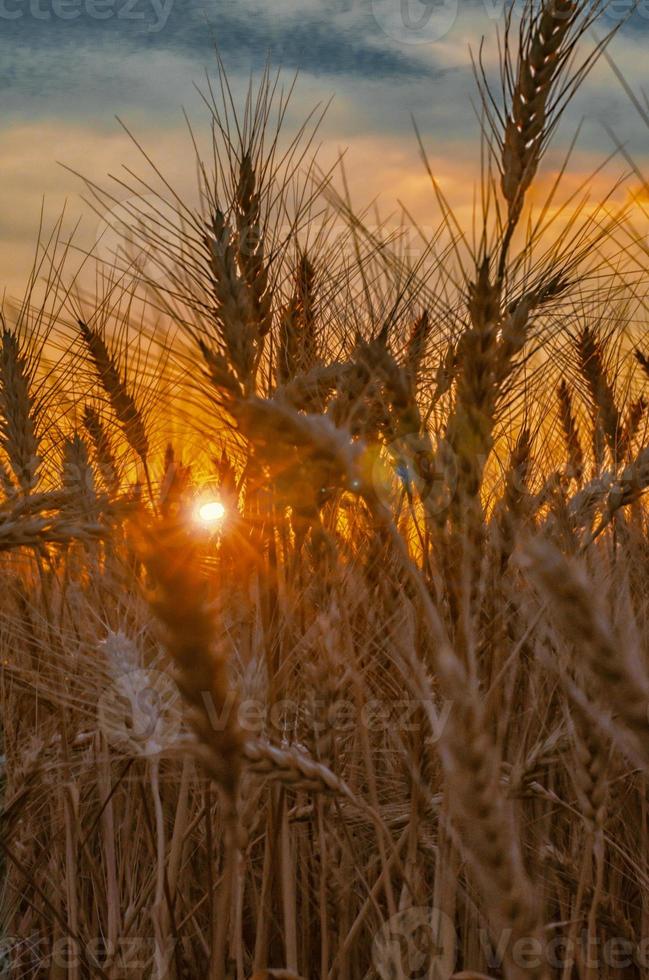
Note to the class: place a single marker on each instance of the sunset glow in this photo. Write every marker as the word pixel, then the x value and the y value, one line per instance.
pixel 324 489
pixel 210 512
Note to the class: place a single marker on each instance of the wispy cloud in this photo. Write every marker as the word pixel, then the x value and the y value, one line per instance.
pixel 63 80
pixel 329 38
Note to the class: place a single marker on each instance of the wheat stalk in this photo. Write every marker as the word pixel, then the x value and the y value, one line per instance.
pixel 105 456
pixel 623 681
pixel 542 55
pixel 574 451
pixel 590 351
pixel 18 423
pixel 121 400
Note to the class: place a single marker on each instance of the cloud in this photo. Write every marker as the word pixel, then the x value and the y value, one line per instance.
pixel 63 82
pixel 330 38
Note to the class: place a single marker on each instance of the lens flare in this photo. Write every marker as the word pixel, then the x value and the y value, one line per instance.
pixel 210 512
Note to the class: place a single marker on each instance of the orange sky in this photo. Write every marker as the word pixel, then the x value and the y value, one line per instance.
pixel 61 111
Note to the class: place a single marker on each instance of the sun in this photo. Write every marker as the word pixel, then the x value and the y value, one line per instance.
pixel 210 512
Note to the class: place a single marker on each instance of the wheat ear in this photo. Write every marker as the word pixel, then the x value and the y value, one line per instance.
pixel 622 678
pixel 252 261
pixel 77 478
pixel 574 452
pixel 180 603
pixel 590 353
pixel 120 398
pixel 105 457
pixel 541 59
pixel 297 349
pixel 18 429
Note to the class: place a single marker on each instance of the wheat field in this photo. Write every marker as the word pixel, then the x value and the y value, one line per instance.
pixel 325 569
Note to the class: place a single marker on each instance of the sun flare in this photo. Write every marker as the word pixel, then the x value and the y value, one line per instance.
pixel 210 512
